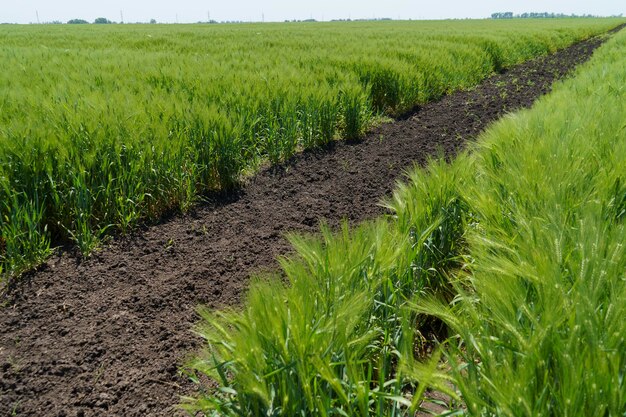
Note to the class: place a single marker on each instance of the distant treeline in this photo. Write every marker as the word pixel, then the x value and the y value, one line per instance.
pixel 537 15
pixel 99 20
pixel 102 20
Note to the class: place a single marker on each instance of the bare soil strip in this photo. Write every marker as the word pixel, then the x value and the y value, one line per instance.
pixel 105 336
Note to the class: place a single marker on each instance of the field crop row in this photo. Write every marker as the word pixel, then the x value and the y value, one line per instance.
pixel 103 126
pixel 517 246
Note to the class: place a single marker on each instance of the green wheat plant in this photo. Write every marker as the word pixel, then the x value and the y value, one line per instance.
pixel 105 127
pixel 538 317
pixel 516 247
pixel 329 343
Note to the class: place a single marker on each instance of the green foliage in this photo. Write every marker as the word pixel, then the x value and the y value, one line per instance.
pixel 518 247
pixel 102 20
pixel 429 209
pixel 329 343
pixel 104 126
pixel 541 312
pixel 338 339
pixel 22 243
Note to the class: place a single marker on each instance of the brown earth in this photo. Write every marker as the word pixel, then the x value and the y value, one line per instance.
pixel 105 336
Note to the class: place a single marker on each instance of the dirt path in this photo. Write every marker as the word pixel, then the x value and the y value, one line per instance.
pixel 105 337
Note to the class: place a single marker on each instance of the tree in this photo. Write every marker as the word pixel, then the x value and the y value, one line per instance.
pixel 102 21
pixel 77 22
pixel 152 21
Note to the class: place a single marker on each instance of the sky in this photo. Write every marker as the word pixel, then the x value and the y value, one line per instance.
pixel 190 11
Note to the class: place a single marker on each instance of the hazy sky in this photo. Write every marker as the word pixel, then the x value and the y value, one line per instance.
pixel 185 11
